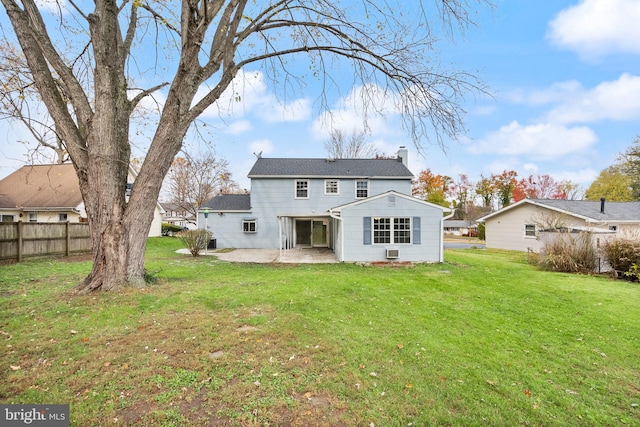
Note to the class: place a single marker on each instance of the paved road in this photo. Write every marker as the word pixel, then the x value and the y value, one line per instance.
pixel 462 245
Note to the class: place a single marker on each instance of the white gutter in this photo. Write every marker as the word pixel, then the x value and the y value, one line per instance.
pixel 442 233
pixel 334 216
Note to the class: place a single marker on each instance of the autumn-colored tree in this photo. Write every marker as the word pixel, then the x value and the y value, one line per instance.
pixel 432 188
pixel 612 184
pixel 630 166
pixel 485 189
pixel 538 187
pixel 571 190
pixel 504 184
pixel 92 64
pixel 461 191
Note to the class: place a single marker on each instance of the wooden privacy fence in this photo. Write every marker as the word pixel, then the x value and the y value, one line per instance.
pixel 20 240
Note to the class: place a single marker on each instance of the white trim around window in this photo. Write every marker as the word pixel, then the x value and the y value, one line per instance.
pixel 362 188
pixel 301 189
pixel 249 225
pixel 331 187
pixel 391 230
pixel 529 231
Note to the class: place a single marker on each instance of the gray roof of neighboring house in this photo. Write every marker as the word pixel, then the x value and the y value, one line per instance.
pixel 587 209
pixel 329 168
pixel 230 202
pixel 613 211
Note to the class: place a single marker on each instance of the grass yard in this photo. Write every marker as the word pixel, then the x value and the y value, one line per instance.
pixel 483 339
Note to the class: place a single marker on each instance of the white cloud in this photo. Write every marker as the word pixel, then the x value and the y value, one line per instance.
pixel 247 94
pixel 261 146
pixel 369 109
pixel 540 141
pixel 594 28
pixel 296 111
pixel 238 127
pixel 582 176
pixel 612 100
pixel 557 92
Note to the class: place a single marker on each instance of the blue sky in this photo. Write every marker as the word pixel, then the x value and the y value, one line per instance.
pixel 565 80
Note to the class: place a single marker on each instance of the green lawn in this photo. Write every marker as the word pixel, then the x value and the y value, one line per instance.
pixel 483 339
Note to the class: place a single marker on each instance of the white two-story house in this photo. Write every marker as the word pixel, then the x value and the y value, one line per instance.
pixel 362 209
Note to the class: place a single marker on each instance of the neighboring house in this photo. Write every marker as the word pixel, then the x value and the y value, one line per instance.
pixel 42 193
pixel 174 214
pixel 458 227
pixel 518 226
pixel 50 193
pixel 362 209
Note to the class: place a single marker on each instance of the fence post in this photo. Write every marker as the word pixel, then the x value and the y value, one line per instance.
pixel 19 241
pixel 67 250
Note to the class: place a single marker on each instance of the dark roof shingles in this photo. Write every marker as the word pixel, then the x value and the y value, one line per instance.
pixel 613 211
pixel 230 202
pixel 330 168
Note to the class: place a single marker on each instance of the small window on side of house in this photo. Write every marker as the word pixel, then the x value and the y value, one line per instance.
pixel 613 228
pixel 302 189
pixel 362 189
pixel 331 186
pixel 33 217
pixel 62 217
pixel 529 230
pixel 7 218
pixel 249 226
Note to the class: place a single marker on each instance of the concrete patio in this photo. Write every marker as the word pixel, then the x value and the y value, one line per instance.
pixel 265 256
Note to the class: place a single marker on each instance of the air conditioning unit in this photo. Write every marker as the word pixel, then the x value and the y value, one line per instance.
pixel 393 253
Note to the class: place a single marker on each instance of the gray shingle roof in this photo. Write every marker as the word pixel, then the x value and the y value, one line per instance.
pixel 230 202
pixel 613 211
pixel 329 168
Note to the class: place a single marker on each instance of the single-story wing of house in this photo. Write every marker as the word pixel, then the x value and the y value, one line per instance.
pixel 518 226
pixel 362 209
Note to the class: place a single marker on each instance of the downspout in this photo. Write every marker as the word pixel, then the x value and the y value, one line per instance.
pixel 442 233
pixel 334 216
pixel 279 238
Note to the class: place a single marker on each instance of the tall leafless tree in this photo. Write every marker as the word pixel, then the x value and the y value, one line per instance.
pixel 355 147
pixel 192 181
pixel 86 66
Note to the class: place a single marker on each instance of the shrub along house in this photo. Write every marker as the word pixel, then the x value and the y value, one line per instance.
pixel 362 209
